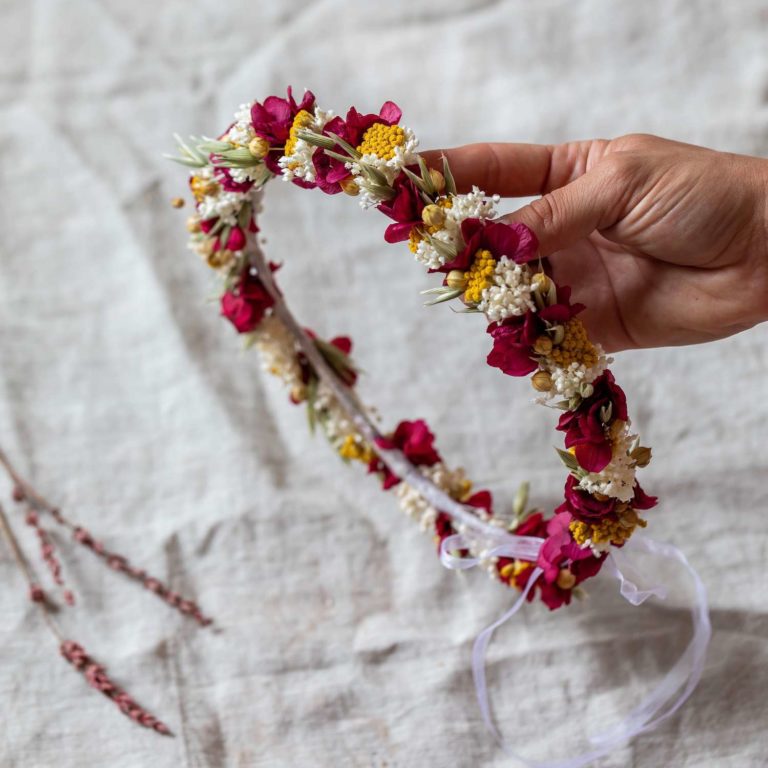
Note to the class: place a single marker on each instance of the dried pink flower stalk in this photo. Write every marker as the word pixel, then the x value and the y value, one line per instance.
pixel 97 678
pixel 94 673
pixel 120 563
pixel 49 553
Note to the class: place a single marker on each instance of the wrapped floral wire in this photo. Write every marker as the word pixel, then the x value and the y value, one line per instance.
pixel 494 269
pixel 94 673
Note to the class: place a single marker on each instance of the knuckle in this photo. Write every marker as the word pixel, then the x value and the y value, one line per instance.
pixel 635 140
pixel 619 167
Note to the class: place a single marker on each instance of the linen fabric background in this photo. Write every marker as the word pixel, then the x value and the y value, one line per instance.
pixel 341 639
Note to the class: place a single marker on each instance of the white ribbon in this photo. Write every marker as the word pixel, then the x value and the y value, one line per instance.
pixel 668 696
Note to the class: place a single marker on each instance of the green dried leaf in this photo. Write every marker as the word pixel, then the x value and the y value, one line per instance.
pixel 467 311
pixel 442 248
pixel 311 398
pixel 417 181
pixel 187 161
pixel 336 156
pixel 374 174
pixel 244 217
pixel 344 145
pixel 450 182
pixel 385 193
pixel 315 139
pixel 521 499
pixel 439 289
pixel 568 459
pixel 451 293
pixel 213 146
pixel 341 363
pixel 249 339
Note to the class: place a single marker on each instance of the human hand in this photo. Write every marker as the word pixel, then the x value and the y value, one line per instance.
pixel 666 243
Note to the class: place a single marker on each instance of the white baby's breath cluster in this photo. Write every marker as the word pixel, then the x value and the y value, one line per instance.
pixel 298 164
pixel 416 506
pixel 277 349
pixel 220 204
pixel 510 293
pixel 334 419
pixel 241 132
pixel 472 205
pixel 574 380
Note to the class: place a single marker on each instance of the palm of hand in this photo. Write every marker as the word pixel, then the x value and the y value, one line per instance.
pixel 682 255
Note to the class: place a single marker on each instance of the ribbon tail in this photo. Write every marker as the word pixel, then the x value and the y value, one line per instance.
pixel 479 652
pixel 686 672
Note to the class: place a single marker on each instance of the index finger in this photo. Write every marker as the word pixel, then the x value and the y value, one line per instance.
pixel 509 170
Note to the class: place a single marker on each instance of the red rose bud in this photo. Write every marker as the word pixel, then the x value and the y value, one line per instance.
pixel 584 427
pixel 405 208
pixel 236 239
pixel 415 440
pixel 582 504
pixel 246 305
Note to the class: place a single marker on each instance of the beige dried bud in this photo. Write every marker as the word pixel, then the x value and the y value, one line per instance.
pixel 542 345
pixel 456 279
pixel 258 147
pixel 220 258
pixel 349 187
pixel 433 215
pixel 177 202
pixel 600 496
pixel 298 393
pixel 541 381
pixel 540 283
pixel 193 224
pixel 642 456
pixel 566 579
pixel 558 334
pixel 438 180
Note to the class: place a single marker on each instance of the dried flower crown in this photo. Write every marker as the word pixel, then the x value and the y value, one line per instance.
pixel 491 266
pixel 494 269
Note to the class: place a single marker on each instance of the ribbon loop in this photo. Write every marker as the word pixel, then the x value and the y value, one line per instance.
pixel 668 696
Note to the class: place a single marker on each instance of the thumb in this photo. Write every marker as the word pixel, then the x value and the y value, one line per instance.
pixel 594 201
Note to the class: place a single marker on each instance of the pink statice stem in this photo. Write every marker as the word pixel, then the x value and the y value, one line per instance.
pixel 48 553
pixel 97 678
pixel 120 563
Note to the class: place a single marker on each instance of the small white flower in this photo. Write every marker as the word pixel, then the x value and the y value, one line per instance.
pixel 428 255
pixel 241 131
pixel 473 205
pixel 299 165
pixel 510 293
pixel 222 205
pixel 259 174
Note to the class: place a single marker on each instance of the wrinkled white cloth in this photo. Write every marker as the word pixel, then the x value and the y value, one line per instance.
pixel 342 641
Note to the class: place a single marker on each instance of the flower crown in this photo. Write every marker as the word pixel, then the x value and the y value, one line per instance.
pixel 492 267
